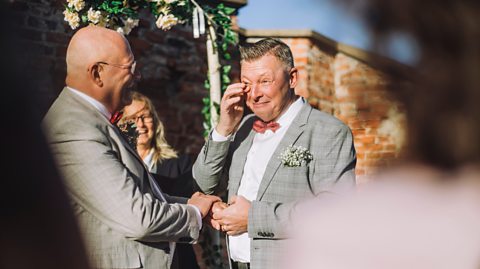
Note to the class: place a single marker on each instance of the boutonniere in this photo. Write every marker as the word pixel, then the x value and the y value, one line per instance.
pixel 294 156
pixel 129 132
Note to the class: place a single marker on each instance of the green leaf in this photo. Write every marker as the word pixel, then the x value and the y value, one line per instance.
pixel 224 46
pixel 228 10
pixel 225 79
pixel 227 68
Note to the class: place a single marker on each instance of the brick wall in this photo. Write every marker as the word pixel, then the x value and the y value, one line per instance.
pixel 363 104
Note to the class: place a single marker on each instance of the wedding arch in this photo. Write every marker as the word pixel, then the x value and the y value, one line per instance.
pixel 214 21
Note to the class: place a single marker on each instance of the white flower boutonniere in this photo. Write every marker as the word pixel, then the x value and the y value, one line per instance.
pixel 295 156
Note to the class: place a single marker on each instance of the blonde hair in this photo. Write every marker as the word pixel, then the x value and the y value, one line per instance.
pixel 161 149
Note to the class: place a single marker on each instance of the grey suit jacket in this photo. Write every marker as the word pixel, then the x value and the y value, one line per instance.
pixel 220 165
pixel 123 220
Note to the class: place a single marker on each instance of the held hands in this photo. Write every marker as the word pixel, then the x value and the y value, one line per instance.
pixel 231 108
pixel 216 207
pixel 232 219
pixel 203 202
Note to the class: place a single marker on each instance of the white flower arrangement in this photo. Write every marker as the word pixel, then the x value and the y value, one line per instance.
pixel 295 156
pixel 72 18
pixel 122 16
pixel 165 22
pixel 76 4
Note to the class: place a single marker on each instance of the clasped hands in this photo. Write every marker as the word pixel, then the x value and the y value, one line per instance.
pixel 231 218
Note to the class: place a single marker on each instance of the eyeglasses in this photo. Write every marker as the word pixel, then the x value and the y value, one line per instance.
pixel 145 118
pixel 131 66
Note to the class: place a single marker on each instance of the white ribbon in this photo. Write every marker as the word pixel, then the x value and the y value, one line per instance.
pixel 196 31
pixel 201 17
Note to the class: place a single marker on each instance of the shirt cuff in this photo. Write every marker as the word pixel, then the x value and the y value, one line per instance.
pixel 199 216
pixel 218 137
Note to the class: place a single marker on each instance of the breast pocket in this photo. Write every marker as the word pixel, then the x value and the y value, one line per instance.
pixel 292 183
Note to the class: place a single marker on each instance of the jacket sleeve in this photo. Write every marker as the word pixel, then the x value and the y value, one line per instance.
pixel 212 166
pixel 99 182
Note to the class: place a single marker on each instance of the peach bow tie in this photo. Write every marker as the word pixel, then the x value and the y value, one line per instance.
pixel 260 126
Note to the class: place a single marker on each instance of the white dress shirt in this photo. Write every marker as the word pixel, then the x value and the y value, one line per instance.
pixel 258 156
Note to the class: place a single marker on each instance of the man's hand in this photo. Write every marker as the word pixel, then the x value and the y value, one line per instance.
pixel 231 108
pixel 216 207
pixel 234 218
pixel 203 202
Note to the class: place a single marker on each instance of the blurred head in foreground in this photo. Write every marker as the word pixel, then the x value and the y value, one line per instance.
pixel 433 222
pixel 441 91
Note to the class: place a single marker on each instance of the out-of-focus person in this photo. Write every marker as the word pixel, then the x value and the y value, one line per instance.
pixel 37 224
pixel 173 172
pixel 423 213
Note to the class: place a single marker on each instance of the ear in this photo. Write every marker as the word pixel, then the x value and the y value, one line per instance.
pixel 293 77
pixel 94 72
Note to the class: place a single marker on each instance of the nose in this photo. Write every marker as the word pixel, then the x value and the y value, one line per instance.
pixel 139 122
pixel 255 92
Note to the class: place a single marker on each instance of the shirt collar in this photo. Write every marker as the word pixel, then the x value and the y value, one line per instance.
pixel 148 160
pixel 99 106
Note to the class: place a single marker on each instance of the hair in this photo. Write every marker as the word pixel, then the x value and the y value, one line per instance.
pixel 443 91
pixel 162 150
pixel 254 51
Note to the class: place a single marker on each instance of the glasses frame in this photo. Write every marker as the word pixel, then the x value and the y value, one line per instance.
pixel 144 118
pixel 131 66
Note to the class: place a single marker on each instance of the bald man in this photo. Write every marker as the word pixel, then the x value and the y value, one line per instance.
pixel 125 219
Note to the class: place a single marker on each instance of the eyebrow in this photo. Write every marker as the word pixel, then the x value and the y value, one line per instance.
pixel 262 75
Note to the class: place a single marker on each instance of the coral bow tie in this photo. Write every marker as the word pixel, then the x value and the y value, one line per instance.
pixel 116 117
pixel 260 126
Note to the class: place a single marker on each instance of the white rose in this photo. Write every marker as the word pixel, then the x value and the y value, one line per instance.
pixel 170 1
pixel 94 16
pixel 129 25
pixel 72 18
pixel 120 30
pixel 76 4
pixel 165 22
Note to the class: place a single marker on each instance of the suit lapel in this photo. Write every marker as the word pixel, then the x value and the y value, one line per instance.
pixel 238 163
pixel 154 186
pixel 88 107
pixel 294 131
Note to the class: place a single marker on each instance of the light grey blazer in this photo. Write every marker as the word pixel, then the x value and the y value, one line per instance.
pixel 220 165
pixel 123 221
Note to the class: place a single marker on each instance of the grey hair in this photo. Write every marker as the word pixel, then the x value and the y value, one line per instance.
pixel 254 51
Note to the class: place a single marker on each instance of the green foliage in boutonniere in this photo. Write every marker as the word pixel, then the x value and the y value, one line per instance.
pixel 295 156
pixel 129 132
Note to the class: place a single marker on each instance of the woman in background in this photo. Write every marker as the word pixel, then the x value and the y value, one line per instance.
pixel 173 172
